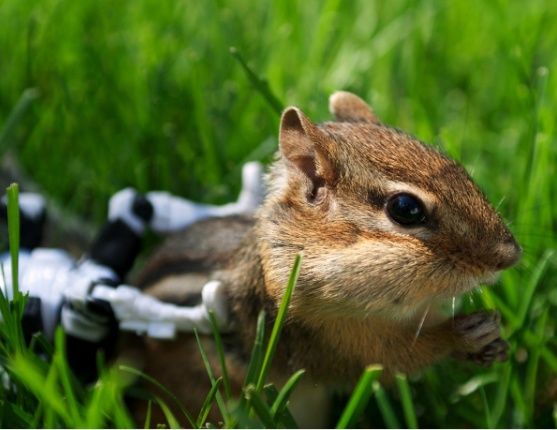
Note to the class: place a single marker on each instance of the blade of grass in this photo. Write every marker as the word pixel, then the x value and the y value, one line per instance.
pixel 39 340
pixel 256 358
pixel 284 394
pixel 206 407
pixel 407 403
pixel 259 406
pixel 13 237
pixel 531 288
pixel 284 419
pixel 170 418
pixel 532 368
pixel 157 384
pixel 30 375
pixel 271 393
pixel 387 412
pixel 487 410
pixel 519 403
pixel 259 84
pixel 12 310
pixel 16 115
pixel 106 401
pixel 120 413
pixel 501 395
pixel 359 398
pixel 25 419
pixel 65 378
pixel 147 424
pixel 220 353
pixel 220 402
pixel 254 366
pixel 93 418
pixel 279 322
pixel 550 359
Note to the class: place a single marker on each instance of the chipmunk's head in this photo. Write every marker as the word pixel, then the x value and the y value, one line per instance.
pixel 383 221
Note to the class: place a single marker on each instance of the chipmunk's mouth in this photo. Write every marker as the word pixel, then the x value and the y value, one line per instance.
pixel 470 283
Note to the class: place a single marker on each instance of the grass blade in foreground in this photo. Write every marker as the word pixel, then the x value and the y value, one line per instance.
pixel 148 414
pixel 254 366
pixel 279 322
pixel 220 352
pixel 359 398
pixel 389 415
pixel 256 358
pixel 162 388
pixel 12 312
pixel 285 418
pixel 220 401
pixel 282 399
pixel 204 412
pixel 407 404
pixel 13 235
pixel 260 407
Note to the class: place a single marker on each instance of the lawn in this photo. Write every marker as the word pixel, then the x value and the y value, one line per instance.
pixel 149 93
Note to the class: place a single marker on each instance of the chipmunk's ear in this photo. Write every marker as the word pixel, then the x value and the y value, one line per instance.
pixel 304 146
pixel 349 107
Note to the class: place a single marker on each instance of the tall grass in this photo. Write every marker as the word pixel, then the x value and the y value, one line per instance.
pixel 148 94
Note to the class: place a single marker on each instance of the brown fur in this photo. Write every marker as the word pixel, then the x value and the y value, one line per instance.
pixel 367 284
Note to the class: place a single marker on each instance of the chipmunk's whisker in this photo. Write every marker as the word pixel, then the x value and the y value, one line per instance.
pixel 498 205
pixel 421 324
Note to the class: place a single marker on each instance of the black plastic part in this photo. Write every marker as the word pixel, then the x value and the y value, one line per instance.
pixel 142 207
pixel 30 229
pixel 116 246
pixel 32 320
pixel 82 354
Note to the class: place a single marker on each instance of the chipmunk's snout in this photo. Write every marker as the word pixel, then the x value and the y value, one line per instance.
pixel 507 254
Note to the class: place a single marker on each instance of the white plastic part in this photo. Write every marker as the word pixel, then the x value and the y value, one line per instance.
pixel 120 207
pixel 172 213
pixel 31 204
pixel 141 313
pixel 84 325
pixel 42 273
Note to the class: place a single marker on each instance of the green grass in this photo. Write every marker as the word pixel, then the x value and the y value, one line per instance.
pixel 149 94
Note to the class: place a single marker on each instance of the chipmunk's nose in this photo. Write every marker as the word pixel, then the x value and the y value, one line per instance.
pixel 507 254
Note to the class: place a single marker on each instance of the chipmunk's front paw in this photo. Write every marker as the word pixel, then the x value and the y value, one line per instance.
pixel 478 338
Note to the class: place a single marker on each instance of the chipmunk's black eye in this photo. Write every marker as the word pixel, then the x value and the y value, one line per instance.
pixel 406 210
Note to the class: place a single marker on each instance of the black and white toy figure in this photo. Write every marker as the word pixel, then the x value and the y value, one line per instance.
pixel 87 297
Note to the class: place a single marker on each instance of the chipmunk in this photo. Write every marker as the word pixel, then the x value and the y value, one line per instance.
pixel 388 228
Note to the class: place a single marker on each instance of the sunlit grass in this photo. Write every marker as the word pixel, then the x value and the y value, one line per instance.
pixel 148 94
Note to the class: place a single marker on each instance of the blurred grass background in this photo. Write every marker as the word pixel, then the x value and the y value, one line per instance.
pixel 146 93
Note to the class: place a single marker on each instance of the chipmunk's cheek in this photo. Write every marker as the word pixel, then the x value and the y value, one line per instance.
pixel 365 277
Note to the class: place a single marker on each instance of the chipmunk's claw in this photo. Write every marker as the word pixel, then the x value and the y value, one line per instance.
pixel 495 351
pixel 478 338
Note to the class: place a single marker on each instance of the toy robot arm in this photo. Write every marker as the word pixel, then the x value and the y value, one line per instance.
pixel 141 313
pixel 172 213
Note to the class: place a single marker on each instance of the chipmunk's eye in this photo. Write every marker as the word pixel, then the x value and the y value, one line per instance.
pixel 406 210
